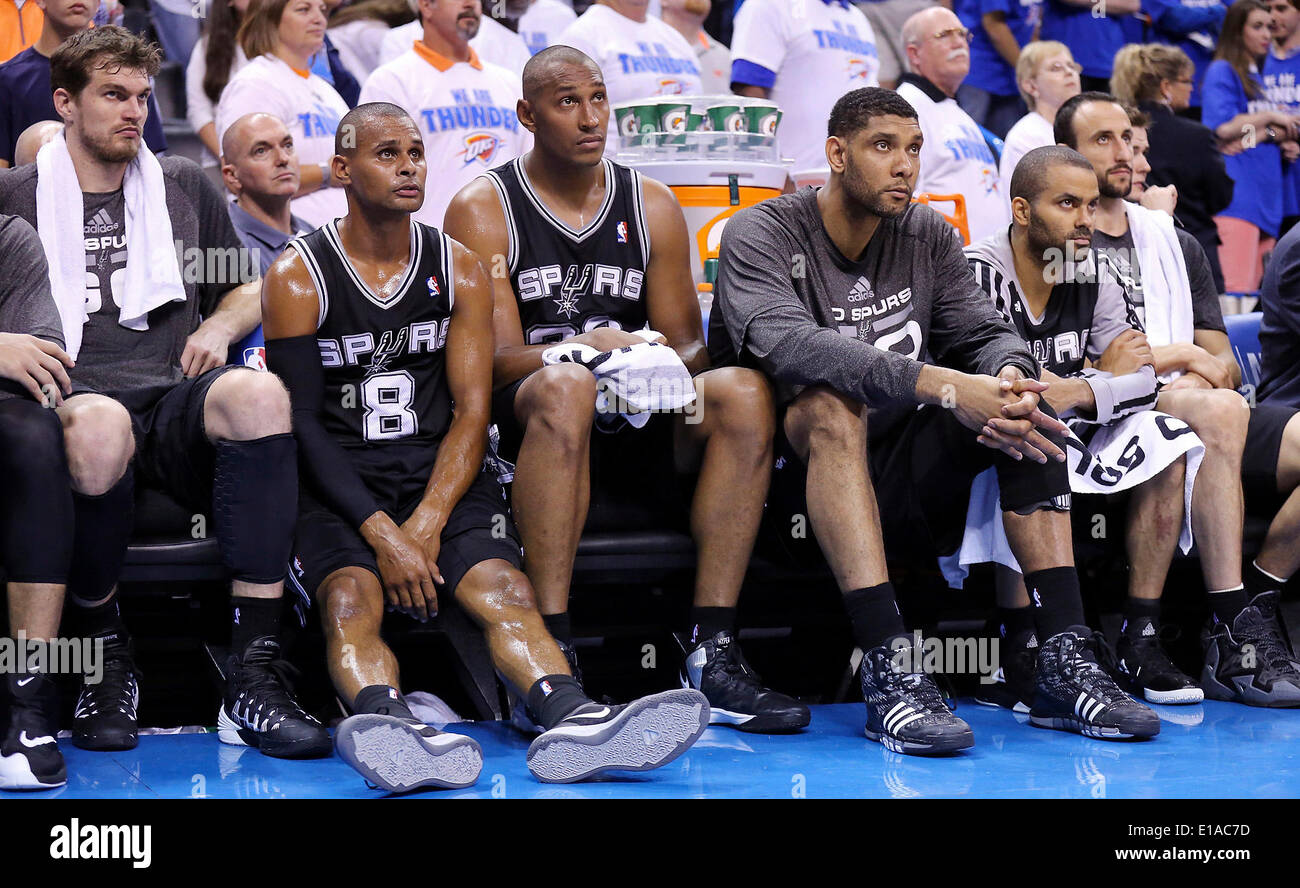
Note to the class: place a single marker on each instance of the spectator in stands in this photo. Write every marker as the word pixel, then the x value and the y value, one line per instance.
pixel 20 25
pixel 1281 73
pixel 1092 30
pixel 1192 26
pixel 687 16
pixel 176 22
pixel 25 93
pixel 803 57
pixel 542 21
pixel 886 18
pixel 1235 108
pixel 1279 331
pixel 33 139
pixel 216 58
pixel 493 42
pixel 955 159
pixel 154 339
pixel 640 55
pixel 260 169
pixel 1158 79
pixel 327 65
pixel 358 31
pixel 1001 28
pixel 279 37
pixel 462 139
pixel 1047 75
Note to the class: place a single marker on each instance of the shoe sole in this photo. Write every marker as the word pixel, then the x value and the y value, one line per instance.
pixel 231 733
pixel 1018 706
pixel 392 755
pixel 99 744
pixel 1180 697
pixel 956 743
pixel 1087 729
pixel 759 724
pixel 16 775
pixel 648 734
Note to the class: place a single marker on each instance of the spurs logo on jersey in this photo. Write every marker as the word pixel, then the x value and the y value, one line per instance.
pixel 570 281
pixel 384 356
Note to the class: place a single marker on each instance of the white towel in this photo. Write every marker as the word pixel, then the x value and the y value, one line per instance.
pixel 1166 291
pixel 1118 456
pixel 153 275
pixel 633 381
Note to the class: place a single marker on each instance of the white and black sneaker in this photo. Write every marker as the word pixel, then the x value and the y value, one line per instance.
pixel 521 714
pixel 1146 669
pixel 637 736
pixel 717 668
pixel 1072 692
pixel 399 755
pixel 906 712
pixel 260 710
pixel 29 754
pixel 105 716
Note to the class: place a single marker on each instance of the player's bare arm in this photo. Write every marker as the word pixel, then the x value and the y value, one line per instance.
pixel 669 288
pixel 291 308
pixel 238 313
pixel 469 377
pixel 475 218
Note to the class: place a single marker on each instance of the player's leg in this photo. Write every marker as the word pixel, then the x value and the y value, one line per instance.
pixel 100 444
pixel 905 711
pixel 552 485
pixel 1155 520
pixel 227 434
pixel 728 440
pixel 1279 557
pixel 36 520
pixel 1013 621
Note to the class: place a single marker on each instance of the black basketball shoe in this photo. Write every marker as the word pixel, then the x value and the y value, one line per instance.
pixel 1013 682
pixel 637 736
pixel 905 710
pixel 260 710
pixel 105 717
pixel 1147 670
pixel 29 754
pixel 1249 662
pixel 717 668
pixel 399 755
pixel 1072 692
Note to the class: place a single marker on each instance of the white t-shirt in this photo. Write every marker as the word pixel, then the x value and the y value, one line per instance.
pixel 1030 132
pixel 542 23
pixel 466 115
pixel 638 59
pixel 199 110
pixel 818 51
pixel 955 159
pixel 494 43
pixel 358 43
pixel 308 106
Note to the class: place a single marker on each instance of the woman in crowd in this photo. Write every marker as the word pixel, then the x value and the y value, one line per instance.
pixel 215 59
pixel 1234 107
pixel 1157 78
pixel 1047 75
pixel 279 37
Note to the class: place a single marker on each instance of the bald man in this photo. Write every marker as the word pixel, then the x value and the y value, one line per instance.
pixel 955 159
pixel 260 168
pixel 33 139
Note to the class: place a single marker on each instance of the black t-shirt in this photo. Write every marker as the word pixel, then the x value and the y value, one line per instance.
pixel 1206 311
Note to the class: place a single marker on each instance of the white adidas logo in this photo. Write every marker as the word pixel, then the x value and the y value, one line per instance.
pixel 1148 630
pixel 101 223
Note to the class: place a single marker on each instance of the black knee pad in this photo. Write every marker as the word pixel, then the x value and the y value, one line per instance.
pixel 255 505
pixel 36 517
pixel 104 525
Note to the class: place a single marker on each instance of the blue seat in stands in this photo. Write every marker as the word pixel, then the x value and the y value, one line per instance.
pixel 1243 334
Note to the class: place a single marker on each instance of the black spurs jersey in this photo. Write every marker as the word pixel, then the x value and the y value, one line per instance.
pixel 384 359
pixel 569 281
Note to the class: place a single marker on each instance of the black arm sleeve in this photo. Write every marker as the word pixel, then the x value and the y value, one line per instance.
pixel 324 464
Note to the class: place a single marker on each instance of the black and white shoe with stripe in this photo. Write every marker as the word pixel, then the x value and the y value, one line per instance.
pixel 905 710
pixel 716 668
pixel 260 710
pixel 399 755
pixel 638 736
pixel 29 754
pixel 1072 692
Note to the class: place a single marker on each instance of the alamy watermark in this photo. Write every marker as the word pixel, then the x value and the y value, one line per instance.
pixel 950 656
pixel 21 655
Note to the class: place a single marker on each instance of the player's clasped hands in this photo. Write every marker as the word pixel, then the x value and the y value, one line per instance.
pixel 1005 412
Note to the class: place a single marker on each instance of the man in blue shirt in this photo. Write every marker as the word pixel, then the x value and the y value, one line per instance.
pixel 1093 40
pixel 1000 28
pixel 26 96
pixel 1192 26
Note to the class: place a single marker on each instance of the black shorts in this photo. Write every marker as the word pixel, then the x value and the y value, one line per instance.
pixel 479 529
pixel 172 450
pixel 634 480
pixel 922 471
pixel 1259 458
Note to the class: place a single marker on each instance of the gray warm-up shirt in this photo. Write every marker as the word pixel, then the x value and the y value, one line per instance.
pixel 789 303
pixel 26 305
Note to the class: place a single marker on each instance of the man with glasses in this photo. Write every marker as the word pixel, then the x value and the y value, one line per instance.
pixel 955 159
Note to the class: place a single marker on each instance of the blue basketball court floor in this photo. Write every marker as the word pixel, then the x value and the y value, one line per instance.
pixel 1211 750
